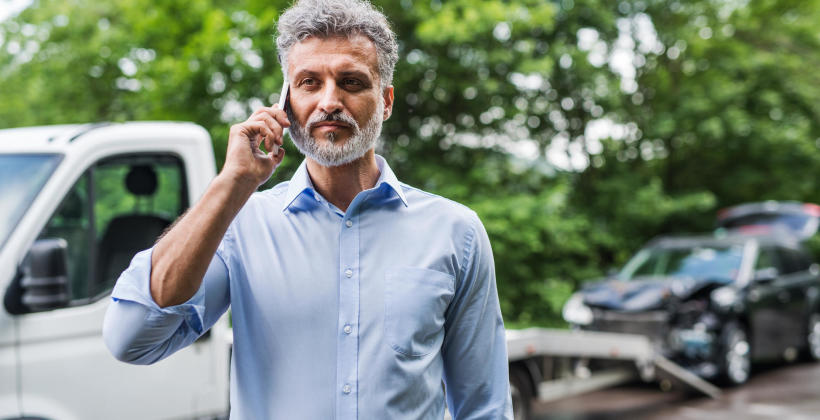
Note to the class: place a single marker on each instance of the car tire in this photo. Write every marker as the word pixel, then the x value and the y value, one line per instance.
pixel 735 354
pixel 813 337
pixel 521 393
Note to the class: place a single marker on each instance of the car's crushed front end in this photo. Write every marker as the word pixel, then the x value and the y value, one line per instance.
pixel 674 294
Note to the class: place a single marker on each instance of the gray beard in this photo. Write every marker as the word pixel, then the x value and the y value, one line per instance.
pixel 329 153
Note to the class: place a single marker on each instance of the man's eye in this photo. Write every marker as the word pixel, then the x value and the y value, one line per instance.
pixel 308 82
pixel 352 82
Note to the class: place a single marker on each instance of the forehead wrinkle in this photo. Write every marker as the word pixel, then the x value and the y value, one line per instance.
pixel 335 66
pixel 361 56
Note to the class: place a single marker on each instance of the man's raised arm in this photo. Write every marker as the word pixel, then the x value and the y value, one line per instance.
pixel 155 311
pixel 182 256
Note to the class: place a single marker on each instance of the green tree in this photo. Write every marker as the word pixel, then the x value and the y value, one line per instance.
pixel 708 103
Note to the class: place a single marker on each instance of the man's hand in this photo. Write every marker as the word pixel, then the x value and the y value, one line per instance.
pixel 245 162
pixel 182 255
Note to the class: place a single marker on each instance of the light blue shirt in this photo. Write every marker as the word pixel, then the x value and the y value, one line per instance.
pixel 339 315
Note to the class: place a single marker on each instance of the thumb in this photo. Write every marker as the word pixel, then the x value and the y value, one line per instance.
pixel 278 157
pixel 271 161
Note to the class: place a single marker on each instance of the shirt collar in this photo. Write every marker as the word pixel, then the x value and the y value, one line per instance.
pixel 388 178
pixel 300 182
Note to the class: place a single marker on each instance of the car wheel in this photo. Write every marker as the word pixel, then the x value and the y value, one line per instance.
pixel 813 336
pixel 521 393
pixel 735 356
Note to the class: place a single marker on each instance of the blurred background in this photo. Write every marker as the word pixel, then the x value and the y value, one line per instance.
pixel 577 129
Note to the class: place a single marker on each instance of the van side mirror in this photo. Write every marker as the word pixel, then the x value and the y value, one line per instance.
pixel 766 275
pixel 42 280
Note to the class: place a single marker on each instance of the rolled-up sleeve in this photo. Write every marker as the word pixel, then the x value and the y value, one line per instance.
pixel 136 330
pixel 475 349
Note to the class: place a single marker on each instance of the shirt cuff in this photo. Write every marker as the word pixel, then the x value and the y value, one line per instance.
pixel 134 285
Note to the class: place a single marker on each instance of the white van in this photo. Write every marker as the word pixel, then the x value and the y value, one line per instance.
pixel 76 203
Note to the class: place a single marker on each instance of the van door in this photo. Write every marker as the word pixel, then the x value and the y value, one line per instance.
pixel 22 176
pixel 8 366
pixel 118 206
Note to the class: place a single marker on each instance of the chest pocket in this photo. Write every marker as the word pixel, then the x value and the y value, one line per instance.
pixel 414 304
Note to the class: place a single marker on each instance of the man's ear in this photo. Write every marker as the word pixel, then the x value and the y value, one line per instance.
pixel 388 102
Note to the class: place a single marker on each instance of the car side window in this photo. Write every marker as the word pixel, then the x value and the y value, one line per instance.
pixel 119 207
pixel 793 260
pixel 767 259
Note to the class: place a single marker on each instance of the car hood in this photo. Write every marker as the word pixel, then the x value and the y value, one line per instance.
pixel 644 293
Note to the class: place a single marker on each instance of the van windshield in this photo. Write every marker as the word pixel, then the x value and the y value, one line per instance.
pixel 21 178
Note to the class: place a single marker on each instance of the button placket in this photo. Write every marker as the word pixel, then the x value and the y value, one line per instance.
pixel 348 344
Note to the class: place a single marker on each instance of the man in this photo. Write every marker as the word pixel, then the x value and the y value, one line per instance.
pixel 353 295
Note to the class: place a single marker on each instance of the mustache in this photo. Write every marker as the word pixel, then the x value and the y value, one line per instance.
pixel 321 117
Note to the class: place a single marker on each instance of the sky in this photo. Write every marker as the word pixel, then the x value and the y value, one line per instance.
pixel 11 7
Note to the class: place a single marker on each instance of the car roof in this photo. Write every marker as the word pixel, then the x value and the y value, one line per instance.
pixel 775 237
pixel 768 207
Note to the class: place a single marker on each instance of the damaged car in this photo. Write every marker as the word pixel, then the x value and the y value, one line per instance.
pixel 712 304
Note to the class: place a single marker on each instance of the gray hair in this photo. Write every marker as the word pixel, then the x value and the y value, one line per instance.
pixel 327 18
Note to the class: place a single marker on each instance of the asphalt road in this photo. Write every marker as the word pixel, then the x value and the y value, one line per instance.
pixel 783 392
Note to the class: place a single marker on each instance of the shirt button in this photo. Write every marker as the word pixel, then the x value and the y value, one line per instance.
pixel 348 329
pixel 349 223
pixel 346 389
pixel 348 273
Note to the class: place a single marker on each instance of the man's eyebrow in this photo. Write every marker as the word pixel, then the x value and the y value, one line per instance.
pixel 305 72
pixel 346 73
pixel 355 73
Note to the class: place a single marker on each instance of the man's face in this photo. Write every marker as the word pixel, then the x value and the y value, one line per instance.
pixel 336 103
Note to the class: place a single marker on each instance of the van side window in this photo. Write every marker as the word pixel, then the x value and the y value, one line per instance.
pixel 72 222
pixel 119 207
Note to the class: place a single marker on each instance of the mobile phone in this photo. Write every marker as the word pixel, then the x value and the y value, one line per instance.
pixel 283 101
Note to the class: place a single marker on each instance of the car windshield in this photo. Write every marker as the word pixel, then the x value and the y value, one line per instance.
pixel 21 178
pixel 720 263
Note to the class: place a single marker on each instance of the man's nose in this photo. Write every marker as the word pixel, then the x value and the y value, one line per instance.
pixel 331 100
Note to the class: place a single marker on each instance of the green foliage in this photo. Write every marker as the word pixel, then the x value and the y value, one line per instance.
pixel 85 61
pixel 721 108
pixel 541 246
pixel 733 101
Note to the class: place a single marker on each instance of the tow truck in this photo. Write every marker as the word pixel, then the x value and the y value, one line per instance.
pixel 77 201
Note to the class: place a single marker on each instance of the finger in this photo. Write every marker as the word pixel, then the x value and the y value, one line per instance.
pixel 256 132
pixel 278 156
pixel 268 139
pixel 261 117
pixel 273 110
pixel 258 111
pixel 274 126
pixel 280 115
pixel 275 159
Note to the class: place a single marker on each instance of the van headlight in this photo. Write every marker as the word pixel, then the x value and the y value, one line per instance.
pixel 576 312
